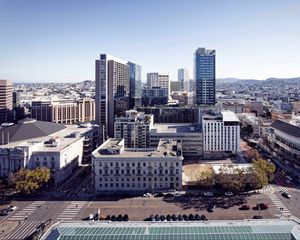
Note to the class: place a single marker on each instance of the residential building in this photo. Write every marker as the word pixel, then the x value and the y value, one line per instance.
pixel 285 139
pixel 6 101
pixel 134 128
pixel 64 111
pixel 205 76
pixel 116 169
pixel 112 91
pixel 158 80
pixel 221 133
pixel 135 87
pixel 183 78
pixel 254 106
pixel 189 134
pixel 31 144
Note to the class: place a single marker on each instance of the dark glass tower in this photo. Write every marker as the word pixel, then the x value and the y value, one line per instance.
pixel 205 76
pixel 135 87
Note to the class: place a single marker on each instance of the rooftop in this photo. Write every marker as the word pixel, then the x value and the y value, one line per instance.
pixel 212 230
pixel 229 116
pixel 176 128
pixel 286 128
pixel 165 148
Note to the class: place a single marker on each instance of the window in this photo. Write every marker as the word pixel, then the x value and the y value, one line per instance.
pixel 100 171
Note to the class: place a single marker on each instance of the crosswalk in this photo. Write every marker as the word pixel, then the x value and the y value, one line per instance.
pixel 278 188
pixel 282 208
pixel 22 231
pixel 27 211
pixel 71 210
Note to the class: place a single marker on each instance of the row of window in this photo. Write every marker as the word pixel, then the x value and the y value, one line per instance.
pixel 138 185
pixel 138 164
pixel 137 171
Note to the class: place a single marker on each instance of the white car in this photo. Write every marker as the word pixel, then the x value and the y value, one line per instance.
pixel 91 217
pixel 177 194
pixel 228 194
pixel 147 195
pixel 208 194
pixel 13 208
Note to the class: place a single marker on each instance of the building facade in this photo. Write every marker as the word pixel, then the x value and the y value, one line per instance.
pixel 6 101
pixel 135 129
pixel 205 76
pixel 112 91
pixel 221 134
pixel 116 169
pixel 183 78
pixel 64 111
pixel 135 89
pixel 158 80
pixel 155 96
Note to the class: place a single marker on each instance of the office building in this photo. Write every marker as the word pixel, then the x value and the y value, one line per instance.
pixel 205 76
pixel 221 133
pixel 116 169
pixel 64 111
pixel 112 91
pixel 135 87
pixel 31 144
pixel 134 128
pixel 285 138
pixel 158 80
pixel 155 96
pixel 6 101
pixel 183 78
pixel 189 134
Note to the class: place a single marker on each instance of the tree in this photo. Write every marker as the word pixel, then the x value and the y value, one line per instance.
pixel 205 179
pixel 27 181
pixel 234 182
pixel 264 167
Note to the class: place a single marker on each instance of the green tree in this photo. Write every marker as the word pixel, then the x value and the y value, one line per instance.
pixel 205 179
pixel 27 181
pixel 265 168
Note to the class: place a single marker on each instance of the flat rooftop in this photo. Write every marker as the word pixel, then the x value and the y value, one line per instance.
pixel 285 229
pixel 165 148
pixel 176 128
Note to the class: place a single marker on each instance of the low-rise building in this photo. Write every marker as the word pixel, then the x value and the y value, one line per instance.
pixel 31 144
pixel 118 169
pixel 285 140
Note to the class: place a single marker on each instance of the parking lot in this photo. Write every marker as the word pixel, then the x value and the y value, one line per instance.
pixel 140 208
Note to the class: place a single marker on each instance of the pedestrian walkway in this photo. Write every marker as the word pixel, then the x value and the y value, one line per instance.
pixel 26 212
pixel 22 231
pixel 278 188
pixel 282 208
pixel 71 210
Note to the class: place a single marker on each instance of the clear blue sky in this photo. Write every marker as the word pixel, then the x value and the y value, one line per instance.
pixel 58 40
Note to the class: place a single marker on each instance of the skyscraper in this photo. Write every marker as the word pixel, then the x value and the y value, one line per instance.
pixel 112 91
pixel 135 88
pixel 205 76
pixel 6 101
pixel 183 78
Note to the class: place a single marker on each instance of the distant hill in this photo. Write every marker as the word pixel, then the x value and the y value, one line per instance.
pixel 232 80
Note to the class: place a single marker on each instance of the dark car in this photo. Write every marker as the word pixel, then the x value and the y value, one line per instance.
pixel 157 218
pixel 191 217
pixel 174 217
pixel 125 218
pixel 119 218
pixel 180 218
pixel 262 206
pixel 162 218
pixel 107 218
pixel 113 218
pixel 211 207
pixel 286 195
pixel 185 217
pixel 203 218
pixel 168 217
pixel 197 217
pixel 245 207
pixel 257 217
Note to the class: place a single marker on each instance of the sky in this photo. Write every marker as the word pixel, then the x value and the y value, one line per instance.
pixel 59 40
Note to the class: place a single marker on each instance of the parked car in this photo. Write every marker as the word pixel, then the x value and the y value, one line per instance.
pixel 208 194
pixel 203 218
pixel 229 193
pixel 191 217
pixel 286 195
pixel 125 218
pixel 113 218
pixel 107 218
pixel 177 194
pixel 5 212
pixel 91 217
pixel 261 206
pixel 197 217
pixel 168 217
pixel 119 218
pixel 180 218
pixel 13 208
pixel 147 195
pixel 185 217
pixel 157 218
pixel 174 217
pixel 152 218
pixel 211 207
pixel 245 207
pixel 257 217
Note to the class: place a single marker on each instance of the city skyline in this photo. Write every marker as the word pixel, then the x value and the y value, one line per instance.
pixel 250 37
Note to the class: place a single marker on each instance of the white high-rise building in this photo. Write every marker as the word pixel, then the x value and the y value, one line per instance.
pixel 183 78
pixel 158 80
pixel 221 133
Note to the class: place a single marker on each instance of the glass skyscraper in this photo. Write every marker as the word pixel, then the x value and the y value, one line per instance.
pixel 135 85
pixel 205 76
